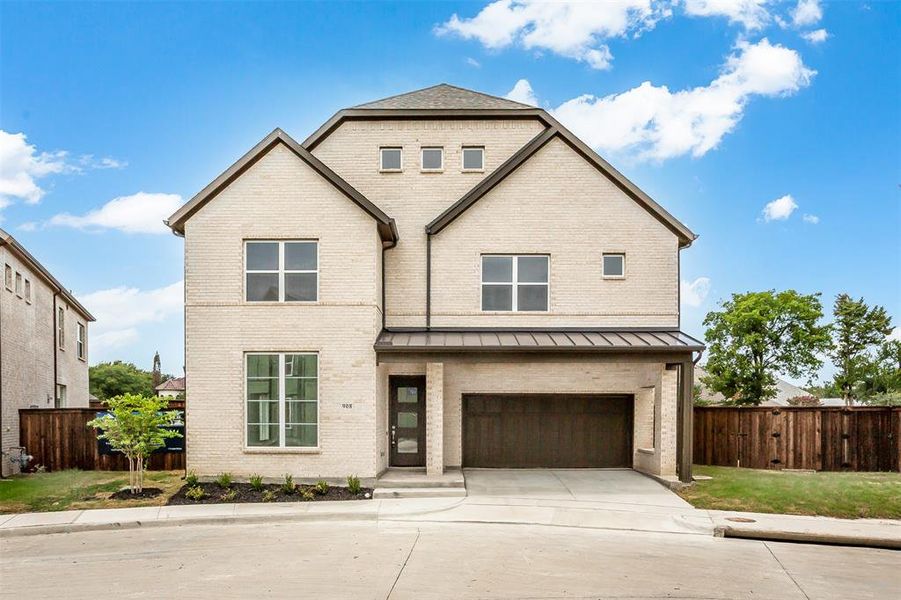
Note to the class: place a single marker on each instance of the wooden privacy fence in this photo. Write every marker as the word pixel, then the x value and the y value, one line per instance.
pixel 60 439
pixel 820 438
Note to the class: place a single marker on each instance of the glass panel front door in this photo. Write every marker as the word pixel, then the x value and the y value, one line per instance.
pixel 407 420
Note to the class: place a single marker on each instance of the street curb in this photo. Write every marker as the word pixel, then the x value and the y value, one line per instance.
pixel 25 531
pixel 774 535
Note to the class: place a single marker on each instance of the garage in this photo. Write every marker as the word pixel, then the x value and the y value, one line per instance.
pixel 547 430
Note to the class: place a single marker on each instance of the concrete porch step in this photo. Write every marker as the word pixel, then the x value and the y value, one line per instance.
pixel 415 478
pixel 381 493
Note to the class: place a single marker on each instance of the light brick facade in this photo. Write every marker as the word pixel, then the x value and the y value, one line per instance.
pixel 555 203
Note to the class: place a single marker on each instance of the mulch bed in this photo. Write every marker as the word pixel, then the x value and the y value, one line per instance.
pixel 243 492
pixel 125 494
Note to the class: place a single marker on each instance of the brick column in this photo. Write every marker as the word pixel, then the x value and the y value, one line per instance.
pixel 434 418
pixel 669 420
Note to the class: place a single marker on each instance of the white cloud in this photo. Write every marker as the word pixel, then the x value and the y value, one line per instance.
pixel 695 292
pixel 138 213
pixel 121 310
pixel 752 14
pixel 570 29
pixel 21 166
pixel 653 122
pixel 807 12
pixel 812 219
pixel 816 37
pixel 88 161
pixel 522 92
pixel 28 226
pixel 779 209
pixel 473 62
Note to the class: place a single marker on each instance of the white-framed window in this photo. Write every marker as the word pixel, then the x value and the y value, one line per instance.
pixel 81 342
pixel 281 271
pixel 391 159
pixel 8 277
pixel 18 284
pixel 516 283
pixel 613 265
pixel 28 291
pixel 473 158
pixel 61 327
pixel 60 400
pixel 282 399
pixel 432 158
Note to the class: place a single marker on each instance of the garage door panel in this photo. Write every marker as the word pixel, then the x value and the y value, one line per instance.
pixel 547 430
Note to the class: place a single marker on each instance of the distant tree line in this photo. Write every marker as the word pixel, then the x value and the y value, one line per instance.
pixel 110 379
pixel 756 335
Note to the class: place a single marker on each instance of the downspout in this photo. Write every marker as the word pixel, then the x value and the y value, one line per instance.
pixel 55 350
pixel 2 450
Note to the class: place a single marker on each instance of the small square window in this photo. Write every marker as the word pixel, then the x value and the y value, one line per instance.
pixel 614 266
pixel 473 158
pixel 390 159
pixel 432 159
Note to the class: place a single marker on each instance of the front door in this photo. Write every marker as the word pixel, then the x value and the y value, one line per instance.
pixel 407 420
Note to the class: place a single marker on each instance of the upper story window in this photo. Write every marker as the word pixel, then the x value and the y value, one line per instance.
pixel 390 159
pixel 18 284
pixel 80 340
pixel 473 158
pixel 61 327
pixel 433 159
pixel 614 266
pixel 283 400
pixel 28 291
pixel 281 271
pixel 515 283
pixel 8 277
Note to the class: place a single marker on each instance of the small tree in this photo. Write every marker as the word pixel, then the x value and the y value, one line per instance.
pixel 136 426
pixel 758 334
pixel 857 329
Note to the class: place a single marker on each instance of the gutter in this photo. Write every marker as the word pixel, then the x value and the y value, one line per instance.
pixel 55 350
pixel 428 280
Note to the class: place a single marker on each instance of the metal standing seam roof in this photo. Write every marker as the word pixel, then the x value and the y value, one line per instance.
pixel 538 340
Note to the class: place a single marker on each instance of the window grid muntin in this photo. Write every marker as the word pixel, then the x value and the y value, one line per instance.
pixel 281 272
pixel 515 284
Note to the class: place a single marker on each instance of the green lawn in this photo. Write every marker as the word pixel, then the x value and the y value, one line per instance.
pixel 65 490
pixel 845 495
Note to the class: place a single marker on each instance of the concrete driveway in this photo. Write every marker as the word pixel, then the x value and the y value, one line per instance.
pixel 614 486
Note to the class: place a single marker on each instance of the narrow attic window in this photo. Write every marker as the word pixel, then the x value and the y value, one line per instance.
pixel 390 159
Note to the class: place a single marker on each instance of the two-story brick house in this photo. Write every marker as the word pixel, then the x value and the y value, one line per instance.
pixel 437 279
pixel 43 344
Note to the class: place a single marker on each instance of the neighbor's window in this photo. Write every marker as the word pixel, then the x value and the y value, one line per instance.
pixel 18 284
pixel 61 327
pixel 614 266
pixel 432 159
pixel 281 271
pixel 283 400
pixel 515 283
pixel 8 277
pixel 390 159
pixel 80 342
pixel 28 291
pixel 473 158
pixel 60 400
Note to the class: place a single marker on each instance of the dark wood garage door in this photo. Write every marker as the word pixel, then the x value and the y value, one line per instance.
pixel 547 430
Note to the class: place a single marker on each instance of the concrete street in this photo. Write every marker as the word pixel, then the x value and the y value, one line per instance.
pixel 431 560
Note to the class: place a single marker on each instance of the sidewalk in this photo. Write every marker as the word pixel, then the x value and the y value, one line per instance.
pixel 872 533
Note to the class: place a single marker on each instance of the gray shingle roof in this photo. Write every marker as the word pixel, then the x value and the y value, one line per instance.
pixel 444 97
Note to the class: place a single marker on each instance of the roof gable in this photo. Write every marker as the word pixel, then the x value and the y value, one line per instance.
pixel 385 224
pixel 443 97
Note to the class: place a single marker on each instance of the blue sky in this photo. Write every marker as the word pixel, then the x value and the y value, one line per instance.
pixel 715 109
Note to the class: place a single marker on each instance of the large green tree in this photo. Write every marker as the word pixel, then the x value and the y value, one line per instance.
pixel 858 329
pixel 759 334
pixel 883 373
pixel 111 379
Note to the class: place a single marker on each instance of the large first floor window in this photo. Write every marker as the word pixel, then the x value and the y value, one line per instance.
pixel 515 283
pixel 283 400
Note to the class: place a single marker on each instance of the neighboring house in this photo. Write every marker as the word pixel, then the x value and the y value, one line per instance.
pixel 784 391
pixel 43 344
pixel 438 279
pixel 171 388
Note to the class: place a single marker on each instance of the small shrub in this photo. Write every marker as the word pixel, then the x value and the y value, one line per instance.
pixel 307 494
pixel 321 488
pixel 195 493
pixel 191 479
pixel 256 482
pixel 229 496
pixel 353 485
pixel 224 480
pixel 269 496
pixel 289 487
